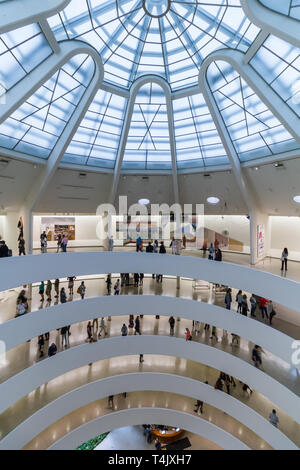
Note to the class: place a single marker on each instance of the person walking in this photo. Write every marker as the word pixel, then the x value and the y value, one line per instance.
pixel 141 358
pixel 228 299
pixel 111 401
pixel 56 288
pixel 63 296
pixel 139 243
pixel 284 259
pixel 42 290
pixel 137 326
pixel 124 330
pixel 239 299
pixel 273 418
pixel 172 324
pixel 71 284
pixel 198 406
pixel 136 278
pixel 81 290
pixel 117 287
pixel 21 246
pixel 141 280
pixel 253 305
pixel 64 339
pixel 48 290
pixel 271 312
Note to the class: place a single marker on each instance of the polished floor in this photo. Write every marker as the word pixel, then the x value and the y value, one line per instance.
pixel 27 354
pixel 145 399
pixel 132 438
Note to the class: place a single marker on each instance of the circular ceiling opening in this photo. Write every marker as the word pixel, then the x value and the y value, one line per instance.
pixel 213 200
pixel 156 8
pixel 143 202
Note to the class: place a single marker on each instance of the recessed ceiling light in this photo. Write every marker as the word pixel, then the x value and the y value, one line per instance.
pixel 143 202
pixel 213 200
pixel 297 199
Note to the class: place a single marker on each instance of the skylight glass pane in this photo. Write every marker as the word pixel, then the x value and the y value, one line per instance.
pixel 196 137
pixel 278 63
pixel 132 41
pixel 285 7
pixel 97 139
pixel 37 124
pixel 254 130
pixel 21 51
pixel 148 143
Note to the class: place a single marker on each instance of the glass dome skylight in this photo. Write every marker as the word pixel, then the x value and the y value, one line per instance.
pixel 166 120
pixel 167 37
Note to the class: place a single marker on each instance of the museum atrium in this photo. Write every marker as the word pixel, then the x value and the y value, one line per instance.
pixel 110 109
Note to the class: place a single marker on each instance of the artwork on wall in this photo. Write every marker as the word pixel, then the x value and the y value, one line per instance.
pixel 260 241
pixel 53 226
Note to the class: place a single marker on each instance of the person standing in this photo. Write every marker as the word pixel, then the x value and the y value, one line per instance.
pixel 263 307
pixel 198 406
pixel 43 238
pixel 149 248
pixel 58 242
pixel 48 290
pixel 21 246
pixel 141 358
pixel 141 279
pixel 273 418
pixel 253 306
pixel 228 299
pixel 41 343
pixel 172 324
pixel 89 332
pixel 102 327
pixel 214 333
pixel 218 256
pixel 117 287
pixel 124 330
pixel 136 278
pixel 284 259
pixel 139 243
pixel 211 252
pixel 256 356
pixel 71 284
pixel 245 308
pixel 42 290
pixel 64 243
pixel 110 244
pixel 63 296
pixel 137 326
pixel 271 311
pixel 82 290
pixel 111 401
pixel 64 340
pixel 108 284
pixel 188 335
pixel 56 288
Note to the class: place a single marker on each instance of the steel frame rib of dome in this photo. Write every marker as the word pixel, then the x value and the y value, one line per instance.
pixel 259 100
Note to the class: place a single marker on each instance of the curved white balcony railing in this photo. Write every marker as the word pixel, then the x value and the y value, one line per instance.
pixel 17 271
pixel 19 330
pixel 149 381
pixel 29 379
pixel 139 416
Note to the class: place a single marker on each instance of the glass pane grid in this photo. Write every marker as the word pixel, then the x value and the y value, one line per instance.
pixel 36 125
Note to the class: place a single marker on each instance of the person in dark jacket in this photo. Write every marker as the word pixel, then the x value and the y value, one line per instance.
pixel 3 249
pixel 21 246
pixel 172 323
pixel 137 326
pixel 218 255
pixel 52 350
pixel 149 248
